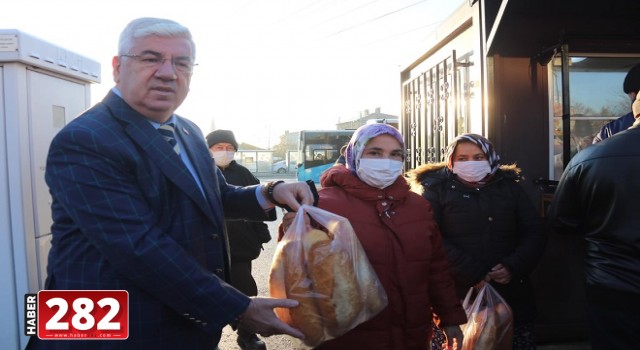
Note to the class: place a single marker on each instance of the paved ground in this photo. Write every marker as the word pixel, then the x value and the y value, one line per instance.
pixel 261 268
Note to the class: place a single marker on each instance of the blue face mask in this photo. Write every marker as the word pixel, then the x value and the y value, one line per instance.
pixel 472 171
pixel 379 173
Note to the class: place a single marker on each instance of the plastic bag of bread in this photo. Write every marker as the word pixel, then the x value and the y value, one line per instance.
pixel 326 270
pixel 490 321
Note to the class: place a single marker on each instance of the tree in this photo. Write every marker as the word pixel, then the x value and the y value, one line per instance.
pixel 280 150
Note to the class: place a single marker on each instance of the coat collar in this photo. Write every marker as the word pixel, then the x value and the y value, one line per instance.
pixel 340 176
pixel 434 173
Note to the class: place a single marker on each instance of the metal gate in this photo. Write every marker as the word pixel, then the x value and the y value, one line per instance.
pixel 435 110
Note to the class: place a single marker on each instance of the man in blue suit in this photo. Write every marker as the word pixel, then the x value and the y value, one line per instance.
pixel 630 86
pixel 136 208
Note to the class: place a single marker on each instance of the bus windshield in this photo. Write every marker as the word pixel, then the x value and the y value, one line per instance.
pixel 318 150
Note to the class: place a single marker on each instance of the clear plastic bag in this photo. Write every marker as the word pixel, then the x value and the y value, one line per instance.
pixel 328 273
pixel 490 320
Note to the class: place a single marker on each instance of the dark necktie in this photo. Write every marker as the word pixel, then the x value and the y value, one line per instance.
pixel 168 132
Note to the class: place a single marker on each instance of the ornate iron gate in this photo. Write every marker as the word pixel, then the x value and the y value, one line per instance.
pixel 431 116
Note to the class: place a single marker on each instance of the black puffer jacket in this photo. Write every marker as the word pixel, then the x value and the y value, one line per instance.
pixel 486 226
pixel 245 237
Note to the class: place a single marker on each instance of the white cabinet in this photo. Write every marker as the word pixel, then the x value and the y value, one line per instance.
pixel 42 87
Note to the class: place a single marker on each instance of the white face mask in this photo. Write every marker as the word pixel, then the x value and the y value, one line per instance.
pixel 223 158
pixel 379 173
pixel 472 171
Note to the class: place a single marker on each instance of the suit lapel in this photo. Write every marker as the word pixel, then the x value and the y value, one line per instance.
pixel 204 166
pixel 160 152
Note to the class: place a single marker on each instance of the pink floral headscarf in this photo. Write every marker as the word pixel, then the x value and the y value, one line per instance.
pixel 363 135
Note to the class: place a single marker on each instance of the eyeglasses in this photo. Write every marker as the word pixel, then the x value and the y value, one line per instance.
pixel 150 60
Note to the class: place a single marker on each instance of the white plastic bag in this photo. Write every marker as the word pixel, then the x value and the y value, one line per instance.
pixel 326 270
pixel 490 320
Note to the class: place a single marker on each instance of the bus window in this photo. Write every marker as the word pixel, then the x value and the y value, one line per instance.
pixel 318 150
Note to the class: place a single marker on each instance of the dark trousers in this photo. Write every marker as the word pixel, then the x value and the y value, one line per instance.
pixel 614 318
pixel 243 281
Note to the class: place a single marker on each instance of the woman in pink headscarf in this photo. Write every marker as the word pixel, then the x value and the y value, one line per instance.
pixel 403 245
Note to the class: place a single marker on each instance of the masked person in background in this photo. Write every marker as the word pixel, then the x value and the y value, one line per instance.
pixel 403 245
pixel 490 228
pixel 245 237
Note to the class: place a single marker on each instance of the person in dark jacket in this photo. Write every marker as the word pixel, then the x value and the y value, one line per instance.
pixel 631 86
pixel 490 228
pixel 245 237
pixel 598 198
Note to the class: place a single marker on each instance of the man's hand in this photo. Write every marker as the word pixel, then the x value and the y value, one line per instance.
pixel 260 318
pixel 293 194
pixel 454 337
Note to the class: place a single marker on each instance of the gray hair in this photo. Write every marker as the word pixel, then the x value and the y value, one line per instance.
pixel 148 26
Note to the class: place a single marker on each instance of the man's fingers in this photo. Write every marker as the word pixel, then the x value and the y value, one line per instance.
pixel 273 302
pixel 301 195
pixel 279 327
pixel 294 205
pixel 307 198
pixel 293 194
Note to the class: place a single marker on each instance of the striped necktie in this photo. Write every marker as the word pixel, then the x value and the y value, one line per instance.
pixel 168 132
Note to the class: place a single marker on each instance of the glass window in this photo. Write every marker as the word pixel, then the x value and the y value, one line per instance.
pixel 596 97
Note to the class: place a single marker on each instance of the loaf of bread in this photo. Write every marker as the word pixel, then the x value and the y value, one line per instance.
pixel 489 328
pixel 346 294
pixel 323 278
pixel 487 336
pixel 504 319
pixel 334 282
pixel 289 271
pixel 320 262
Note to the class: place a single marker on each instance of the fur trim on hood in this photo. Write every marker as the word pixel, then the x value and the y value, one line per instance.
pixel 433 170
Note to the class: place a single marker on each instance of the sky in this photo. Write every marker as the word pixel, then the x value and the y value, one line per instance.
pixel 264 66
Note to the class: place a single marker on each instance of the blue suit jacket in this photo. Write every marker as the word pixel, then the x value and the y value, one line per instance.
pixel 129 215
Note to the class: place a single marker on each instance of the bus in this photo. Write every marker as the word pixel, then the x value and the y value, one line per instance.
pixel 318 150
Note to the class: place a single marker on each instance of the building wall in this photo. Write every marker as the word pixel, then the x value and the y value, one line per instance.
pixel 518 117
pixel 509 105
